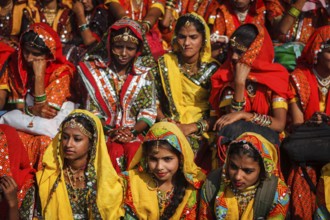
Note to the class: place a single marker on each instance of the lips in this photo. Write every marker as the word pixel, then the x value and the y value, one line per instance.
pixel 161 174
pixel 238 184
pixel 68 151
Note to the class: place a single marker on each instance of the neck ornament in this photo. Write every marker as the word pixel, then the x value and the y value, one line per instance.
pixel 323 83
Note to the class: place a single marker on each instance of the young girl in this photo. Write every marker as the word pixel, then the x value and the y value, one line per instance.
pixel 251 165
pixel 165 183
pixel 78 180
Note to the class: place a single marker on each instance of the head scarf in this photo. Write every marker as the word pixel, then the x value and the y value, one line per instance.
pixel 104 188
pixel 259 56
pixel 310 100
pixel 172 134
pixel 14 162
pixel 57 65
pixel 206 55
pixel 125 23
pixel 5 52
pixel 269 155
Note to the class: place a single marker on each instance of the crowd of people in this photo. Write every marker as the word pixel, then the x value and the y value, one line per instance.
pixel 163 109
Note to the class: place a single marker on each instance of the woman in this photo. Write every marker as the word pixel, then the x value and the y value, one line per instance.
pixel 147 12
pixel 311 82
pixel 183 81
pixel 249 85
pixel 125 98
pixel 165 183
pixel 16 177
pixel 78 180
pixel 38 83
pixel 252 165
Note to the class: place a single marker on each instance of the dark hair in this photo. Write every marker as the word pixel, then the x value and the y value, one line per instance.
pixel 245 34
pixel 239 149
pixel 32 37
pixel 193 19
pixel 180 184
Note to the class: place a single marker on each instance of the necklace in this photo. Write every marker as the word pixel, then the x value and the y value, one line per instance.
pixel 251 88
pixel 323 83
pixel 241 15
pixel 164 198
pixel 50 15
pixel 119 79
pixel 189 68
pixel 244 197
pixel 133 9
pixel 74 179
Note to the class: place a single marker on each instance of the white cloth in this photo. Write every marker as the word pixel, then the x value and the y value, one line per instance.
pixel 41 126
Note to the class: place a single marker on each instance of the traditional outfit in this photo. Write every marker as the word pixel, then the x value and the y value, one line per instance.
pixel 14 162
pixel 310 19
pixel 184 98
pixel 102 196
pixel 311 97
pixel 141 199
pixel 20 85
pixel 142 7
pixel 267 86
pixel 120 102
pixel 225 20
pixel 233 204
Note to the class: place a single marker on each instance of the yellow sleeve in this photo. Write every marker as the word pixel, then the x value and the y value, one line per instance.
pixel 158 5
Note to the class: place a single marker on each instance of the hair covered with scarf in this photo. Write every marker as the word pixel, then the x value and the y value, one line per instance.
pixel 180 181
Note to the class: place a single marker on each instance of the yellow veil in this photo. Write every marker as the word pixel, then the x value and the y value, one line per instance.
pixel 52 188
pixel 145 200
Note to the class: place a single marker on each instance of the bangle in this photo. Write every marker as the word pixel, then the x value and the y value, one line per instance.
pixel 40 98
pixel 294 12
pixel 26 110
pixel 134 132
pixel 148 23
pixel 237 106
pixel 83 27
pixel 262 120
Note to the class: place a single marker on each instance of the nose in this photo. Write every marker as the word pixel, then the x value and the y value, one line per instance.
pixel 68 142
pixel 159 166
pixel 238 175
pixel 124 51
pixel 235 56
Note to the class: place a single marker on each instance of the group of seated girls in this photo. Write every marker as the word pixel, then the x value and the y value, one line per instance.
pixel 146 138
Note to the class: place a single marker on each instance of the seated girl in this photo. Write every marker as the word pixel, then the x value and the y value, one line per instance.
pixel 78 180
pixel 250 177
pixel 165 182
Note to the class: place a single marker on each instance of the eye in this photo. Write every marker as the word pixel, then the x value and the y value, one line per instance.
pixel 77 139
pixel 131 48
pixel 180 36
pixel 168 159
pixel 65 137
pixel 233 166
pixel 152 158
pixel 248 171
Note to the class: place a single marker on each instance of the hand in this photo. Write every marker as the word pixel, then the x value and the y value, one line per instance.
pixel 229 118
pixel 78 9
pixel 9 188
pixel 44 110
pixel 187 129
pixel 122 135
pixel 39 67
pixel 241 72
pixel 318 118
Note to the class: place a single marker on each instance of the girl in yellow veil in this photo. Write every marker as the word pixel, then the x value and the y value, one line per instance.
pixel 78 180
pixel 165 181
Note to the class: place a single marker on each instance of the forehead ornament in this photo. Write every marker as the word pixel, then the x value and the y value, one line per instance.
pixel 236 45
pixel 126 36
pixel 187 24
pixel 73 124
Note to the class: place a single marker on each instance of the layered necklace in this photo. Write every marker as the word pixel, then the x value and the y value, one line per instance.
pixel 244 197
pixel 323 83
pixel 75 178
pixel 120 78
pixel 241 15
pixel 139 3
pixel 189 69
pixel 50 15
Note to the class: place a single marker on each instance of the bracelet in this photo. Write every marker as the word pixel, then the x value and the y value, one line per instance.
pixel 40 98
pixel 169 7
pixel 202 127
pixel 134 132
pixel 294 12
pixel 83 27
pixel 262 120
pixel 26 110
pixel 237 106
pixel 148 23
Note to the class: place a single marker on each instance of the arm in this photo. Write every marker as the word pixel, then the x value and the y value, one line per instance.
pixel 3 96
pixel 116 10
pixel 296 114
pixel 151 18
pixel 288 20
pixel 85 31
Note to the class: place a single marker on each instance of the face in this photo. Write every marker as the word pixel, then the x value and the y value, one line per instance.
pixel 241 5
pixel 75 144
pixel 323 60
pixel 164 164
pixel 31 54
pixel 190 42
pixel 235 54
pixel 124 52
pixel 88 5
pixel 243 171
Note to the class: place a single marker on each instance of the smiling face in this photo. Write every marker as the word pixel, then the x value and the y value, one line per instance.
pixel 190 41
pixel 163 163
pixel 75 144
pixel 243 171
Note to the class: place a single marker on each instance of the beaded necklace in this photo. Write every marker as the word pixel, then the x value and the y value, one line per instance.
pixel 244 197
pixel 323 83
pixel 164 198
pixel 74 179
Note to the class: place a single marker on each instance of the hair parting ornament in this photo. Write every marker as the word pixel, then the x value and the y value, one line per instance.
pixel 73 124
pixel 187 24
pixel 34 44
pixel 236 45
pixel 126 36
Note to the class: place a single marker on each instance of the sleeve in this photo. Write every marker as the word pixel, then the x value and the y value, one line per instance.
pixel 99 23
pixel 147 99
pixel 4 84
pixel 279 102
pixel 58 91
pixel 281 202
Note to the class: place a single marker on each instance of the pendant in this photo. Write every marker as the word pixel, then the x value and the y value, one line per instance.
pixel 74 197
pixel 324 91
pixel 30 125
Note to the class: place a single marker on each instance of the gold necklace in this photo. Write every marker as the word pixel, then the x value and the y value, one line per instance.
pixel 323 83
pixel 50 15
pixel 70 174
pixel 189 68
